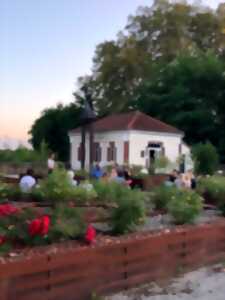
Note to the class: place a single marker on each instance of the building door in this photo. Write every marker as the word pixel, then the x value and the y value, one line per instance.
pixel 154 150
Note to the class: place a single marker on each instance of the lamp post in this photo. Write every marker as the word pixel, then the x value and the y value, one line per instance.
pixel 87 118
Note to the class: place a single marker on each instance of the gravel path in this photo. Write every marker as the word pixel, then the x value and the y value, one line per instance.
pixel 203 284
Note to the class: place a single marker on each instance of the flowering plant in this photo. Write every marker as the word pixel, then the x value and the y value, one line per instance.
pixel 90 234
pixel 39 226
pixel 7 210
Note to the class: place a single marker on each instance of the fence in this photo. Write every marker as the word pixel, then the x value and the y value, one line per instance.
pixel 73 274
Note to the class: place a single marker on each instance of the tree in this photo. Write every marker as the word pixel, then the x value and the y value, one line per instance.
pixel 206 158
pixel 188 93
pixel 154 35
pixel 53 126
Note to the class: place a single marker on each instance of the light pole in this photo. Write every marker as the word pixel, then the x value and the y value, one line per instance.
pixel 87 118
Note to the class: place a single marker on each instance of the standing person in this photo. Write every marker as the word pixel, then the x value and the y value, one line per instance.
pixel 27 182
pixel 192 179
pixel 51 163
pixel 70 174
pixel 96 173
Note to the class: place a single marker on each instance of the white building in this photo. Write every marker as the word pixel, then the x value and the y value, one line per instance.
pixel 130 138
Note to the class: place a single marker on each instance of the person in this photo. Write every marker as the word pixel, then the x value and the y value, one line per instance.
pixel 173 176
pixel 96 173
pixel 192 179
pixel 71 174
pixel 27 182
pixel 186 181
pixel 118 176
pixel 51 163
pixel 178 181
pixel 113 174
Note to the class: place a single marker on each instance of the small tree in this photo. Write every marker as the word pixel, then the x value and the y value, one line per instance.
pixel 206 158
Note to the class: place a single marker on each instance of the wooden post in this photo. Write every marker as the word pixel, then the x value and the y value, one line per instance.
pixel 83 150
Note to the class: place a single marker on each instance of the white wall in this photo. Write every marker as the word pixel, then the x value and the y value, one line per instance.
pixel 138 141
pixel 119 137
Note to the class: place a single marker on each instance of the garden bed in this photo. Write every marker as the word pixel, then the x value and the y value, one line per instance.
pixel 74 271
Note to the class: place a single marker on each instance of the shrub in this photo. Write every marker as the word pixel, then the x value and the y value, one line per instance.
pixel 130 211
pixel 110 192
pixel 4 191
pixel 67 223
pixel 213 188
pixel 162 195
pixel 184 206
pixel 82 173
pixel 206 158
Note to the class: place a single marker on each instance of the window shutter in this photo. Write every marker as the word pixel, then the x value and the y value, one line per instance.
pixel 108 154
pixel 114 152
pixel 79 153
pixel 100 154
pixel 126 152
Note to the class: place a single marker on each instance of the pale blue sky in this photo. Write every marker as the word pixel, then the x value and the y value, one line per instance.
pixel 44 46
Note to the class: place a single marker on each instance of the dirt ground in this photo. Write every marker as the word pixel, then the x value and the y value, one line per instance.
pixel 203 284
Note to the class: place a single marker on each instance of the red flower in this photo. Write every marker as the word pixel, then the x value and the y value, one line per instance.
pixel 7 210
pixel 90 234
pixel 35 227
pixel 45 225
pixel 39 226
pixel 2 240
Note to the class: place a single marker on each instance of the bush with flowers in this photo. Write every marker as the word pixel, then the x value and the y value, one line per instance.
pixel 57 188
pixel 184 206
pixel 21 227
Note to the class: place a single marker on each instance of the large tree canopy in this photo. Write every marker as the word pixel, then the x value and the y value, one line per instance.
pixel 169 62
pixel 155 35
pixel 53 126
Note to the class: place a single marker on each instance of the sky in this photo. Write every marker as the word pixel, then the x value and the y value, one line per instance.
pixel 45 45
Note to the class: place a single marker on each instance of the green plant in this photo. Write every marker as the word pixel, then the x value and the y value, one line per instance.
pixel 213 189
pixel 67 223
pixel 130 211
pixel 161 196
pixel 83 195
pixel 4 191
pixel 161 162
pixel 82 173
pixel 184 206
pixel 56 187
pixel 206 158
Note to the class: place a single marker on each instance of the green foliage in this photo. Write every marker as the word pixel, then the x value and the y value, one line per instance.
pixel 82 173
pixel 4 191
pixel 23 155
pixel 110 192
pixel 67 223
pixel 184 206
pixel 161 162
pixel 130 211
pixel 82 195
pixel 57 188
pixel 161 196
pixel 206 158
pixel 214 189
pixel 53 126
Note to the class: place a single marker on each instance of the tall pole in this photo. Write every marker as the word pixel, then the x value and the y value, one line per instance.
pixel 88 117
pixel 83 150
pixel 91 145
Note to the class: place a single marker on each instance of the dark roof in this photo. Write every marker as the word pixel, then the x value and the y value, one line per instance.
pixel 135 120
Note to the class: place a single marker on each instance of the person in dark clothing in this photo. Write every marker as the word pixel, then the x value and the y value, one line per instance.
pixel 173 176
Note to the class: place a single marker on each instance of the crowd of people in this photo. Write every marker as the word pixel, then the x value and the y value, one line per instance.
pixel 121 175
pixel 182 180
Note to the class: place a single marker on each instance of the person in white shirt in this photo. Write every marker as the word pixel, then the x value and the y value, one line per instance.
pixel 27 182
pixel 71 174
pixel 51 163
